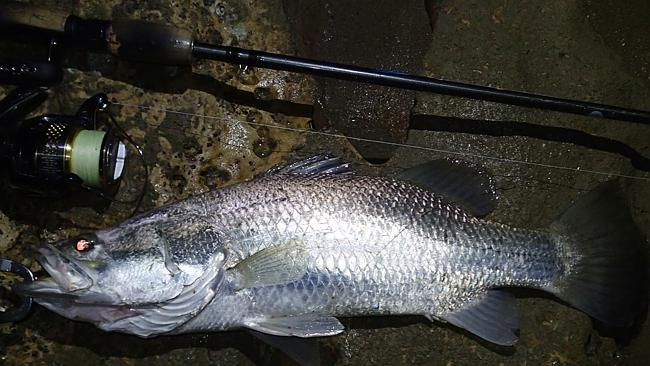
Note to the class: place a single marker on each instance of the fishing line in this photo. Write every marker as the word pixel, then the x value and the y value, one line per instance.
pixel 127 137
pixel 138 199
pixel 397 144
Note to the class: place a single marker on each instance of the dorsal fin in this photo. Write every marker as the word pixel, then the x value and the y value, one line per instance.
pixel 318 164
pixel 466 186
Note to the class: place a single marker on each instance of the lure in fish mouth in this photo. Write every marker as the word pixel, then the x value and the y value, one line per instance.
pixel 71 290
pixel 69 276
pixel 120 288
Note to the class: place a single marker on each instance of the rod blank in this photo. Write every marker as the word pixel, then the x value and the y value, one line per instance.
pixel 414 82
pixel 154 43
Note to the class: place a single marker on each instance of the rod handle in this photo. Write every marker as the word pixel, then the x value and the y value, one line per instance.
pixel 149 42
pixel 134 40
pixel 128 39
pixel 18 14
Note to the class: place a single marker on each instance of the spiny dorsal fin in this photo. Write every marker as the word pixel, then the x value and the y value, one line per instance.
pixel 466 186
pixel 318 164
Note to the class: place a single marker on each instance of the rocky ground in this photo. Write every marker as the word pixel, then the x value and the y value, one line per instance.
pixel 218 124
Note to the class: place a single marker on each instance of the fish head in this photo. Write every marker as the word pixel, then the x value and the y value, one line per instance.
pixel 89 269
pixel 122 272
pixel 74 267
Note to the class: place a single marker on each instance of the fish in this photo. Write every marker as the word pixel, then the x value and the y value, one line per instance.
pixel 289 253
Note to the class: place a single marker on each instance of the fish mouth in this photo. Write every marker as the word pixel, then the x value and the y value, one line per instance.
pixel 69 277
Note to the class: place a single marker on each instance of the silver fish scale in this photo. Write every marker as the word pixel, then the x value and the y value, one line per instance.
pixel 374 246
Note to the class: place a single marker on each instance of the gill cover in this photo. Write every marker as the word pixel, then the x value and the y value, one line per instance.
pixel 159 318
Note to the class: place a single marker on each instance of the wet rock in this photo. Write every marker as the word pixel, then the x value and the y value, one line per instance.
pixel 225 139
pixel 263 131
pixel 264 93
pixel 9 231
pixel 389 35
pixel 192 140
pixel 622 29
pixel 248 76
pixel 255 117
pixel 593 343
pixel 263 147
pixel 214 177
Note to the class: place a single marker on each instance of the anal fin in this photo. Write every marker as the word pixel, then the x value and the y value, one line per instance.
pixel 493 318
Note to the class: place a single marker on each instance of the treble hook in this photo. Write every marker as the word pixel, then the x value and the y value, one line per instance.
pixel 19 313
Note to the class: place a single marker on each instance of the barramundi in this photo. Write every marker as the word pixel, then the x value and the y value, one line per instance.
pixel 290 252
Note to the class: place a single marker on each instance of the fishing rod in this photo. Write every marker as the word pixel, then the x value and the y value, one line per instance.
pixel 154 43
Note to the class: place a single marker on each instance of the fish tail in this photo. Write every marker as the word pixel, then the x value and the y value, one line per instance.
pixel 603 261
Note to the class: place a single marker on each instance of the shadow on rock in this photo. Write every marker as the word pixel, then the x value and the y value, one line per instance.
pixel 514 128
pixel 62 331
pixel 379 322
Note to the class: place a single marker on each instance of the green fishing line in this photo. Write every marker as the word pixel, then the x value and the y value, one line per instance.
pixel 85 156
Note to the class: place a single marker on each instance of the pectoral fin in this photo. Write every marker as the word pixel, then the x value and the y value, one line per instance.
pixel 304 326
pixel 274 265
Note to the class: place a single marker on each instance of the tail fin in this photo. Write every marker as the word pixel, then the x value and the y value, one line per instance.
pixel 604 257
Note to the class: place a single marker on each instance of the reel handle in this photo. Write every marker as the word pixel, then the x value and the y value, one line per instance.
pixel 19 103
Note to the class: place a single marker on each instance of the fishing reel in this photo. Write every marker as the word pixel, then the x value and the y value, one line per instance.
pixel 59 152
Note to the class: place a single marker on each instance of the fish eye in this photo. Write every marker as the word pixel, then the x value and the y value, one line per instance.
pixel 83 245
